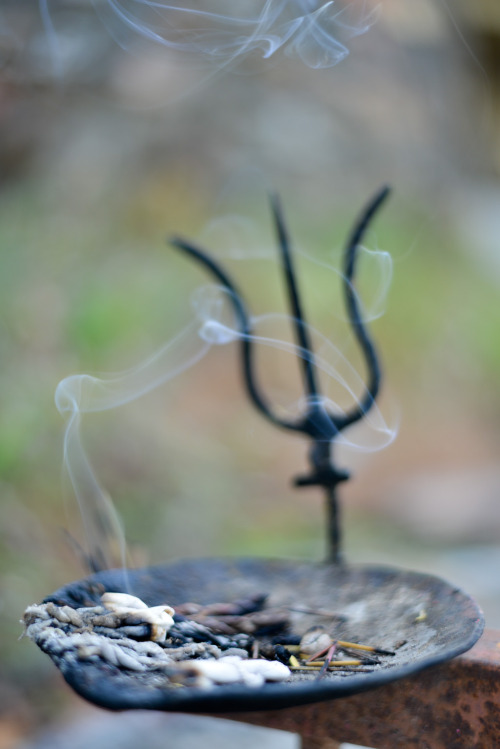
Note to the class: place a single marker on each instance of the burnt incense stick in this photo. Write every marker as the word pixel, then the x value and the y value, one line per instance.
pixel 368 648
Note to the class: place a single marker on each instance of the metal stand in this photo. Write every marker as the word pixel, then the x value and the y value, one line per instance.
pixel 317 423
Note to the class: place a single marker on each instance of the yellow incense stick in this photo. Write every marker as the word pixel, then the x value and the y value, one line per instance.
pixel 346 662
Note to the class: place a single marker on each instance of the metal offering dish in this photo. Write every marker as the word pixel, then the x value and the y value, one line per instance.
pixel 418 620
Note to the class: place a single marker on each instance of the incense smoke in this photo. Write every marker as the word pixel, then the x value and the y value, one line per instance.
pixel 80 394
pixel 338 373
pixel 316 33
pixel 213 323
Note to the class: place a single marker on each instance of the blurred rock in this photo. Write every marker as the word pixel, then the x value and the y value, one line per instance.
pixel 130 730
pixel 394 105
pixel 459 505
pixel 483 14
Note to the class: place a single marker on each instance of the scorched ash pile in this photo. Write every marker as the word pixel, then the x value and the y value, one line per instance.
pixel 242 642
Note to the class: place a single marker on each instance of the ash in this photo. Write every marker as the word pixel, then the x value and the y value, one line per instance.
pixel 172 650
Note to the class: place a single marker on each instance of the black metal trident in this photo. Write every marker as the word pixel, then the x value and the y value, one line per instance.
pixel 317 423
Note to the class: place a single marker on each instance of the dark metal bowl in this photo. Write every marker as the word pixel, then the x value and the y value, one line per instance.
pixel 422 618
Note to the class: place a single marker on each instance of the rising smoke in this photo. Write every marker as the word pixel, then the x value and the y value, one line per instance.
pixel 213 324
pixel 223 32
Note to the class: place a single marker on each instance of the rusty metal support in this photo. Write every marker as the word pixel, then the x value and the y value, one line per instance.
pixel 452 706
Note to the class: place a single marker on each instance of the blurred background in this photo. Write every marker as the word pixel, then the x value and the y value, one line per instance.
pixel 109 143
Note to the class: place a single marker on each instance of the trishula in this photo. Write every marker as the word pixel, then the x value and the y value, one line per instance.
pixel 317 423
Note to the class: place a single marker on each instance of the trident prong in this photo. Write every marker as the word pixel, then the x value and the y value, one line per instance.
pixel 317 423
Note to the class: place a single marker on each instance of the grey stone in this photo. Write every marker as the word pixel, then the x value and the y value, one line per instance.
pixel 101 730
